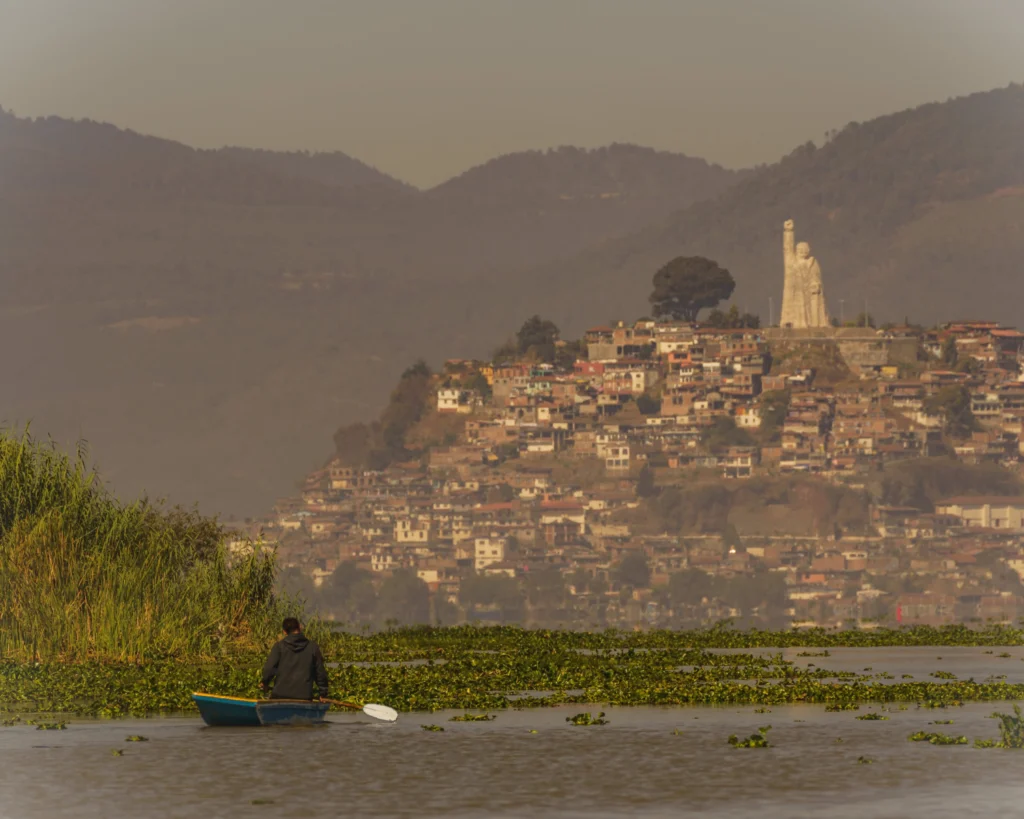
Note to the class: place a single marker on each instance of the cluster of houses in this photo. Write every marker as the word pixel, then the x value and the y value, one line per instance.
pixel 551 460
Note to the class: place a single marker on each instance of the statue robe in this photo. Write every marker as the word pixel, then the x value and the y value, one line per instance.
pixel 803 296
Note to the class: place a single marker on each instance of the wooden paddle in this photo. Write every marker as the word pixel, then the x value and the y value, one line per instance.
pixel 381 712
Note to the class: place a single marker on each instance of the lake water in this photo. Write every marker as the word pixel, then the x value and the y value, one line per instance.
pixel 634 766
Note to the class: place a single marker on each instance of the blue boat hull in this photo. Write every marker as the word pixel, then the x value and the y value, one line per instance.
pixel 240 712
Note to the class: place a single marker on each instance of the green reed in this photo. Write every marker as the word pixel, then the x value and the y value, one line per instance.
pixel 83 576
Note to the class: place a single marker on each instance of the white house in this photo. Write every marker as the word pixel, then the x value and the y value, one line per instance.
pixel 487 551
pixel 987 512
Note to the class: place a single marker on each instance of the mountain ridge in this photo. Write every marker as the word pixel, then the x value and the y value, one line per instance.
pixel 208 323
pixel 856 199
pixel 221 299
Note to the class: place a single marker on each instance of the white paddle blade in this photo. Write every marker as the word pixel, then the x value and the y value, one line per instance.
pixel 380 712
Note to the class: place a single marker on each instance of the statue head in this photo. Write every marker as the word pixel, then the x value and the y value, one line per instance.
pixel 803 250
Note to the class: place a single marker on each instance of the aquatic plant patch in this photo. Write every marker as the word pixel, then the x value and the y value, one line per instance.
pixel 587 719
pixel 490 669
pixel 937 739
pixel 758 740
pixel 1011 727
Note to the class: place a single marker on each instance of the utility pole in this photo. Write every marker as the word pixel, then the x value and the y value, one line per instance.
pixel 771 313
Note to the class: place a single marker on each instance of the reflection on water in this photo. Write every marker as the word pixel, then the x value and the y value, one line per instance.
pixel 636 765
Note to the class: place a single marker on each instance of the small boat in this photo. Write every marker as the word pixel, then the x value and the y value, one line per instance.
pixel 239 711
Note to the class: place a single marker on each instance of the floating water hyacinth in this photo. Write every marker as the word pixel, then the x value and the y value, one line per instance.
pixel 587 719
pixel 1011 726
pixel 489 669
pixel 871 716
pixel 431 727
pixel 473 718
pixel 937 739
pixel 758 740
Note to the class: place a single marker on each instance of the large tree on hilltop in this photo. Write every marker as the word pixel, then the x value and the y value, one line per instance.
pixel 688 284
pixel 537 336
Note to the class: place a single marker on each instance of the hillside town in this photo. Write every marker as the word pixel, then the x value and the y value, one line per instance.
pixel 679 473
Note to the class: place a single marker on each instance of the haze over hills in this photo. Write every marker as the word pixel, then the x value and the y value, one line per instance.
pixel 566 174
pixel 333 168
pixel 207 319
pixel 919 214
pixel 179 307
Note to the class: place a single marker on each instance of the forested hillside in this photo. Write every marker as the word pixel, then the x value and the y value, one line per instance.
pixel 920 213
pixel 176 306
pixel 180 303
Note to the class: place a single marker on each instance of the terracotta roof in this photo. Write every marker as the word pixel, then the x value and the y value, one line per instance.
pixel 565 506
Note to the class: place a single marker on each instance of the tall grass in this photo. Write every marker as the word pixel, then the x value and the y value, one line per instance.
pixel 83 576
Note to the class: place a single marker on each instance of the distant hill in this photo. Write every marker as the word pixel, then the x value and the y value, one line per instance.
pixel 331 168
pixel 208 318
pixel 625 172
pixel 919 213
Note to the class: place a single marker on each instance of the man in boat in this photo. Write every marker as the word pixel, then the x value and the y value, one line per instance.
pixel 294 664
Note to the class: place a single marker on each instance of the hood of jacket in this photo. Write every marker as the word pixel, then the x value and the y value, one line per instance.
pixel 296 642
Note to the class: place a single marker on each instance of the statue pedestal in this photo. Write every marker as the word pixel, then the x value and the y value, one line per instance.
pixel 859 346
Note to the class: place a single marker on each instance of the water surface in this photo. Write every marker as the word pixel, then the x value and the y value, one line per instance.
pixel 635 766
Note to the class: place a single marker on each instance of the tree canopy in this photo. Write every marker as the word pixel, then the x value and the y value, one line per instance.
pixel 645 484
pixel 634 571
pixel 374 446
pixel 537 336
pixel 724 433
pixel 688 284
pixel 403 598
pixel 953 403
pixel 732 319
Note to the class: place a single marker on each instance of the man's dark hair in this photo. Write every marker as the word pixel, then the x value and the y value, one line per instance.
pixel 290 625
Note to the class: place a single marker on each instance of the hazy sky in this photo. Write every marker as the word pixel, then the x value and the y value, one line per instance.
pixel 424 89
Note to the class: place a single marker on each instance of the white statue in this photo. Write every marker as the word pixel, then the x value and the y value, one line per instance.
pixel 803 297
